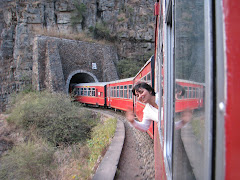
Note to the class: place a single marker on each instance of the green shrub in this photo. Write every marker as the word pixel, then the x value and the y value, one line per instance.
pixel 52 116
pixel 78 14
pixel 27 161
pixel 128 68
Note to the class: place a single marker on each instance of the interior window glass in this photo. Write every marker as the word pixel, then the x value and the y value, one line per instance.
pixel 189 116
pixel 117 91
pixel 125 91
pixel 130 91
pixel 121 91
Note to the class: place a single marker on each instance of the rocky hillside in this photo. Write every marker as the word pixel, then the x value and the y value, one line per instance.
pixel 127 24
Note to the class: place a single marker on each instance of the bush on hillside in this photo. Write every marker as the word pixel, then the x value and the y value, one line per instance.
pixel 52 116
pixel 28 161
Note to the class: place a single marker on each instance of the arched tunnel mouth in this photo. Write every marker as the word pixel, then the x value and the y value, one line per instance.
pixel 80 78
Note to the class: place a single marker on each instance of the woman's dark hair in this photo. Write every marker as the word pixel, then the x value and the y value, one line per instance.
pixel 179 88
pixel 144 86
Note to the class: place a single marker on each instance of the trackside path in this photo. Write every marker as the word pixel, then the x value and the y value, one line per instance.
pixel 137 157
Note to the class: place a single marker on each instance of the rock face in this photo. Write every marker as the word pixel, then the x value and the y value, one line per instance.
pixel 129 24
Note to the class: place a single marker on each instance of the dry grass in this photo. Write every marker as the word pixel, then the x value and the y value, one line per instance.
pixel 54 32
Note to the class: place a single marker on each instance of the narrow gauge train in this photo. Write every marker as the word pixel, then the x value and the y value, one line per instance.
pixel 196 46
pixel 118 94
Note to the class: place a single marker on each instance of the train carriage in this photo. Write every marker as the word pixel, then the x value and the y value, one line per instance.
pixel 192 97
pixel 119 94
pixel 91 93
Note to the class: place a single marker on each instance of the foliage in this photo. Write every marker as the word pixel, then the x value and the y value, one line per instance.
pixel 28 161
pixel 77 15
pixel 129 68
pixel 78 161
pixel 55 118
pixel 100 31
pixel 100 139
pixel 52 116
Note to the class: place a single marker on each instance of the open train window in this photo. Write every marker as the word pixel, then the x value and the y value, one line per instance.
pixel 190 92
pixel 194 93
pixel 125 92
pixel 130 91
pixel 89 92
pixel 115 94
pixel 93 91
pixel 186 92
pixel 121 91
pixel 85 92
pixel 81 91
pixel 117 91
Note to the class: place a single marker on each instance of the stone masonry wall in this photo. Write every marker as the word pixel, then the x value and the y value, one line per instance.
pixel 55 59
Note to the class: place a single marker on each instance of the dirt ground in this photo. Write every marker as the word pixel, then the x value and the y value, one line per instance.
pixel 130 167
pixel 137 159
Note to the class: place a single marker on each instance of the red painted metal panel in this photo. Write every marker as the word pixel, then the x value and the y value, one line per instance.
pixel 121 103
pixel 232 43
pixel 158 155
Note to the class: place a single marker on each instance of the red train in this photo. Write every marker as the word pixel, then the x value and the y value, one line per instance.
pixel 118 94
pixel 196 46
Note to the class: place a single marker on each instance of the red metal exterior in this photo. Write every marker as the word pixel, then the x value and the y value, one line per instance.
pixel 98 99
pixel 121 103
pixel 231 10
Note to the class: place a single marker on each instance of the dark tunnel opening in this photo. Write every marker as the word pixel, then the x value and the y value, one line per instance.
pixel 80 78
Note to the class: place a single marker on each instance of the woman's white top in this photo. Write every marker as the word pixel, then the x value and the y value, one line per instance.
pixel 150 114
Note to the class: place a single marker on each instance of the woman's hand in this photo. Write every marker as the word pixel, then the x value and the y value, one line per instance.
pixel 130 116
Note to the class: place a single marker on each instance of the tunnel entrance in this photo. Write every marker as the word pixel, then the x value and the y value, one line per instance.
pixel 77 77
pixel 81 78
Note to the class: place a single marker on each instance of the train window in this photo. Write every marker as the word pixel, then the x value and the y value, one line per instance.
pixel 148 77
pixel 117 91
pixel 125 92
pixel 89 92
pixel 81 91
pixel 93 91
pixel 85 92
pixel 130 91
pixel 191 153
pixel 121 92
pixel 115 94
pixel 194 92
pixel 111 95
pixel 186 92
pixel 190 92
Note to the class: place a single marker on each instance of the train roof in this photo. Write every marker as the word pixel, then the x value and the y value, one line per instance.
pixel 93 84
pixel 122 80
pixel 192 82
